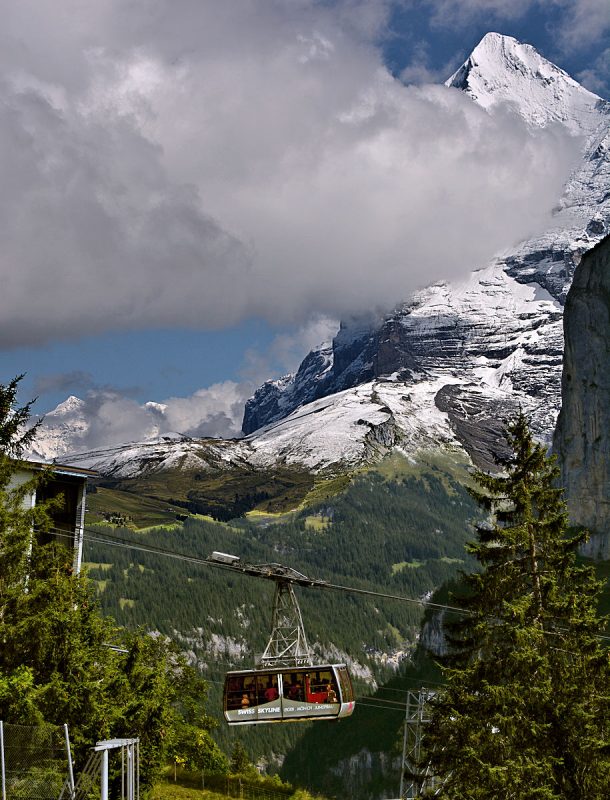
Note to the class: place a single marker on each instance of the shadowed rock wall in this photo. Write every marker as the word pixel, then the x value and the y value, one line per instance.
pixel 582 437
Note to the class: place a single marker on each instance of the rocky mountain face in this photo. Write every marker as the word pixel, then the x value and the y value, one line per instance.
pixel 582 438
pixel 278 398
pixel 444 369
pixel 479 348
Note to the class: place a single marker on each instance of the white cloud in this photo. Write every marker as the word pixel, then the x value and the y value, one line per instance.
pixel 214 411
pixel 107 417
pixel 447 13
pixel 583 22
pixel 198 163
pixel 287 350
pixel 419 71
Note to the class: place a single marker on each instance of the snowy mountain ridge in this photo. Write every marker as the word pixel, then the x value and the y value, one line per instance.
pixel 504 353
pixel 444 368
pixel 503 70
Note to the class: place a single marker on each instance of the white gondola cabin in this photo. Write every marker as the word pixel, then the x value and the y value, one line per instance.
pixel 288 694
pixel 287 685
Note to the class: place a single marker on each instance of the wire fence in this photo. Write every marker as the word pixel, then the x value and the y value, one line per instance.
pixel 234 786
pixel 237 788
pixel 34 761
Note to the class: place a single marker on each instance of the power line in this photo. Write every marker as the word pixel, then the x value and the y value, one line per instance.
pixel 103 538
pixel 380 700
pixel 414 681
pixel 384 708
pixel 113 541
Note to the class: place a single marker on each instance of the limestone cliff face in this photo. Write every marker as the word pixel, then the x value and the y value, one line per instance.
pixel 582 437
pixel 366 773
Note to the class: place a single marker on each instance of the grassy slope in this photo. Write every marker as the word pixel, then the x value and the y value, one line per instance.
pixel 168 790
pixel 221 494
pixel 186 785
pixel 172 791
pixel 144 512
pixel 157 499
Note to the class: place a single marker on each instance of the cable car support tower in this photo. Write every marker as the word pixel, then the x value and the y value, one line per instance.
pixel 287 645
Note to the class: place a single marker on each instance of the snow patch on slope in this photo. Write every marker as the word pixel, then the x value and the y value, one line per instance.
pixel 165 453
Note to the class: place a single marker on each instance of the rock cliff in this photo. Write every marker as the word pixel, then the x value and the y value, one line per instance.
pixel 582 438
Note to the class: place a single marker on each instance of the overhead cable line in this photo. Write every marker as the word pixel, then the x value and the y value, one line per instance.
pixel 384 708
pixel 113 541
pixel 380 700
pixel 103 538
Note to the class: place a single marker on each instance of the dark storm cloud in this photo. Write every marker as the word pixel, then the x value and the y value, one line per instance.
pixel 67 382
pixel 95 234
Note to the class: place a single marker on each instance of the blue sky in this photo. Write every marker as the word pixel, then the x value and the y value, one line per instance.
pixel 418 27
pixel 186 203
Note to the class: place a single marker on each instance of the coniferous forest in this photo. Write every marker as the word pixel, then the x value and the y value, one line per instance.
pixel 521 700
pixel 397 534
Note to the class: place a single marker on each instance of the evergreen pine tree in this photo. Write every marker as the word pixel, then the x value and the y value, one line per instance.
pixel 526 712
pixel 52 662
pixel 240 761
pixel 55 665
pixel 192 745
pixel 15 432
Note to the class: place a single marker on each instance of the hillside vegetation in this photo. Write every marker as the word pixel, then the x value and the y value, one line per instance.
pixel 221 494
pixel 399 532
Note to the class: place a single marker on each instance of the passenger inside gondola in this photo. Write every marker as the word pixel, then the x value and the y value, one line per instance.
pixel 234 692
pixel 271 692
pixel 321 688
pixel 317 685
pixel 295 691
pixel 241 692
pixel 293 685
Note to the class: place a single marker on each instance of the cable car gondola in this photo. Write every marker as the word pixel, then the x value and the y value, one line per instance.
pixel 288 694
pixel 288 685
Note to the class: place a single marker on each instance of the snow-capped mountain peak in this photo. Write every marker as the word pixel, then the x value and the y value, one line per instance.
pixel 503 70
pixel 494 343
pixel 70 405
pixel 62 426
pixel 443 369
